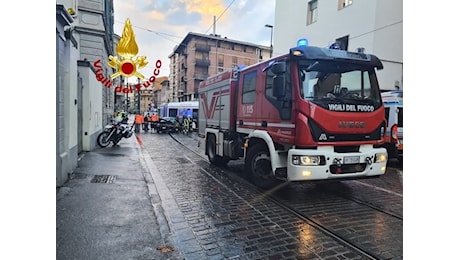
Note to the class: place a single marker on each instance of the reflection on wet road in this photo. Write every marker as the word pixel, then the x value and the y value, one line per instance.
pixel 227 217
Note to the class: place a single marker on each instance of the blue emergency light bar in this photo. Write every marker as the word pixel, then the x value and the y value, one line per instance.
pixel 302 42
pixel 302 50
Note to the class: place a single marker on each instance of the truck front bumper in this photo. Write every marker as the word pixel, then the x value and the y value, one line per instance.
pixel 368 162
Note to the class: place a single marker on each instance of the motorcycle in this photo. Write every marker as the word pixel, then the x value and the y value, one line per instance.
pixel 114 132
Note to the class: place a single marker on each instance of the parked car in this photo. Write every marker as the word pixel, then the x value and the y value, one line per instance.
pixel 166 125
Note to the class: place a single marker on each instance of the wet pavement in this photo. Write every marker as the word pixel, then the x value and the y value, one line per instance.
pixel 109 209
pixel 156 195
pixel 231 220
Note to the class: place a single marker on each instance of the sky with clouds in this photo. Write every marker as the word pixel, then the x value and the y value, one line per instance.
pixel 160 25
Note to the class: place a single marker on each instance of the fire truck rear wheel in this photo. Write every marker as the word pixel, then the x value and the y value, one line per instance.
pixel 211 150
pixel 258 167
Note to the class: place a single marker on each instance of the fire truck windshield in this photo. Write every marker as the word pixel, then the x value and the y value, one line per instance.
pixel 321 83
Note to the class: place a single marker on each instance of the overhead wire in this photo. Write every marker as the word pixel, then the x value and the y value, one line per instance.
pixel 217 19
pixel 161 34
pixel 166 35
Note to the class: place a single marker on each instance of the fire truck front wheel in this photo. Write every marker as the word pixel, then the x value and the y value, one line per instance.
pixel 258 166
pixel 211 151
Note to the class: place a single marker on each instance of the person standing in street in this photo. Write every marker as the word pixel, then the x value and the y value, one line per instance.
pixel 154 118
pixel 138 120
pixel 146 122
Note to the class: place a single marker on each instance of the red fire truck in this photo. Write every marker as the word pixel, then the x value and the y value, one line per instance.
pixel 311 114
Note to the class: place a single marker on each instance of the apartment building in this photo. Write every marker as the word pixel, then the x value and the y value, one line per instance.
pixel 375 25
pixel 201 55
pixel 162 92
pixel 155 94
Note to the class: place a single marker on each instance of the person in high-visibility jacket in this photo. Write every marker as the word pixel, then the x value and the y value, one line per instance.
pixel 151 121
pixel 155 117
pixel 138 121
pixel 186 125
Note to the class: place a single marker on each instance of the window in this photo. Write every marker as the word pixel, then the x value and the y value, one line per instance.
pixel 234 61
pixel 340 84
pixel 250 50
pixel 269 83
pixel 344 3
pixel 201 70
pixel 312 15
pixel 249 87
pixel 400 117
pixel 225 45
pixel 220 62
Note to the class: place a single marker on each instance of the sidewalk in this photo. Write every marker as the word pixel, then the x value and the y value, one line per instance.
pixel 110 209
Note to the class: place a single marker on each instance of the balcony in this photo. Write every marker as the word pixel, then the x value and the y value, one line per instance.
pixel 202 62
pixel 201 76
pixel 202 47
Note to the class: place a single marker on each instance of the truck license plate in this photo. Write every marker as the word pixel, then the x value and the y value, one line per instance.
pixel 350 159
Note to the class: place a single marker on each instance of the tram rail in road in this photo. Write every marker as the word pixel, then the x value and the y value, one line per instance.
pixel 348 213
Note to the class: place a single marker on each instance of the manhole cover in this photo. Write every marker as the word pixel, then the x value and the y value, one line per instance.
pixel 104 179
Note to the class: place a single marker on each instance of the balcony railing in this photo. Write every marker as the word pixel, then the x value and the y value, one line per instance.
pixel 202 47
pixel 201 76
pixel 202 62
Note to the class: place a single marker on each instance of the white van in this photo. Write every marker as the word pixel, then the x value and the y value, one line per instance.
pixel 393 103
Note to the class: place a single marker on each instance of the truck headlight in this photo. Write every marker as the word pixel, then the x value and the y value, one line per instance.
pixel 306 160
pixel 381 157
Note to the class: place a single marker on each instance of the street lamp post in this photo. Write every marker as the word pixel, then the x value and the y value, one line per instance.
pixel 271 38
pixel 139 96
pixel 126 99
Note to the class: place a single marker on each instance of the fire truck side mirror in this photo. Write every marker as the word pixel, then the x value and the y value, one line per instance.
pixel 279 67
pixel 279 80
pixel 279 86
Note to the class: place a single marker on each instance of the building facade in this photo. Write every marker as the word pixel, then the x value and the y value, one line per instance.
pixel 375 25
pixel 146 98
pixel 84 35
pixel 162 92
pixel 150 96
pixel 199 56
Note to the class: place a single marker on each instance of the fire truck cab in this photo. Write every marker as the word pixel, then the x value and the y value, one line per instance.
pixel 311 114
